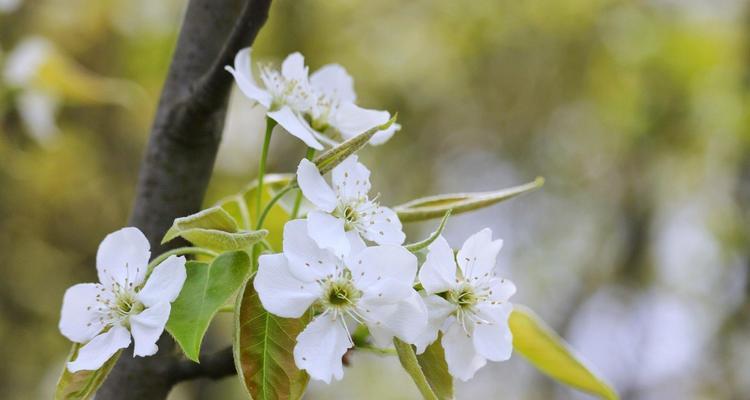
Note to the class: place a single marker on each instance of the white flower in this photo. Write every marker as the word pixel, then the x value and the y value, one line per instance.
pixel 346 207
pixel 102 316
pixel 37 105
pixel 294 100
pixel 335 113
pixel 372 285
pixel 469 304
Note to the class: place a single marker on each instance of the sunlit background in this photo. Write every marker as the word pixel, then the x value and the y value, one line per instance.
pixel 636 112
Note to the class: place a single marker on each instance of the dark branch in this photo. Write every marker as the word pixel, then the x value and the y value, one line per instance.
pixel 214 366
pixel 180 156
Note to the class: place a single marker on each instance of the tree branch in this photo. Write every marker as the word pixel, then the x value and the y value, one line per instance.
pixel 214 366
pixel 179 160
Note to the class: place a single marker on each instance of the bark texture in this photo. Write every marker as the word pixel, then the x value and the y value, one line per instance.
pixel 178 163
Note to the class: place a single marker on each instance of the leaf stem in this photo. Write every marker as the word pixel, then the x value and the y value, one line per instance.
pixel 298 200
pixel 270 123
pixel 178 252
pixel 270 204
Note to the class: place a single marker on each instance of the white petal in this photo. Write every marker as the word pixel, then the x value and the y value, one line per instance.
pixel 79 318
pixel 405 319
pixel 334 81
pixel 382 226
pixel 356 244
pixel 294 67
pixel 307 261
pixel 493 341
pixel 147 327
pixel 501 289
pixel 280 292
pixel 295 125
pixel 243 75
pixel 320 347
pixel 96 352
pixel 478 255
pixel 382 262
pixel 122 258
pixel 38 111
pixel 351 179
pixel 438 273
pixel 438 310
pixel 351 120
pixel 314 187
pixel 463 360
pixel 165 282
pixel 497 312
pixel 328 232
pixel 382 136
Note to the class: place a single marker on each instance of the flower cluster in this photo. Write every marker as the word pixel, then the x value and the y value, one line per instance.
pixel 315 108
pixel 327 266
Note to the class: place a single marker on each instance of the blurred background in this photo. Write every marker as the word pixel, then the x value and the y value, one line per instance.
pixel 636 112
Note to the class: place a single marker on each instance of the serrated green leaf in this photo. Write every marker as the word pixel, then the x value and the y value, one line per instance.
pixel 263 346
pixel 428 370
pixel 415 247
pixel 82 384
pixel 215 229
pixel 207 288
pixel 549 353
pixel 436 206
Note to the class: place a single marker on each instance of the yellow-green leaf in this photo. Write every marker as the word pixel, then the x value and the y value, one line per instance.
pixel 242 207
pixel 263 345
pixel 549 353
pixel 428 370
pixel 436 206
pixel 214 229
pixel 82 384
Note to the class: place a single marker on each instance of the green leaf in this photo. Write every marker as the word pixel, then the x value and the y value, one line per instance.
pixel 415 247
pixel 436 206
pixel 435 370
pixel 549 353
pixel 207 288
pixel 263 346
pixel 82 384
pixel 214 229
pixel 428 370
pixel 335 156
pixel 242 206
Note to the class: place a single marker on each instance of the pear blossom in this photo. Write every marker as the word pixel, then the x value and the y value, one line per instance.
pixel 468 303
pixel 335 114
pixel 37 105
pixel 370 285
pixel 315 108
pixel 103 316
pixel 346 207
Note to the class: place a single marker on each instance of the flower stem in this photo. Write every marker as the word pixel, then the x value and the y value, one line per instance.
pixel 270 123
pixel 178 252
pixel 270 204
pixel 298 200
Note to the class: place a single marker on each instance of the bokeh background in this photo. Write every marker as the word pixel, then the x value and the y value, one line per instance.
pixel 636 113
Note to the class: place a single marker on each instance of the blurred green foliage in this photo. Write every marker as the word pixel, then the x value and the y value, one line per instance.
pixel 636 113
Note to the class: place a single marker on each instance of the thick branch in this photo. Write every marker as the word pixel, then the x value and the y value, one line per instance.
pixel 214 366
pixel 180 156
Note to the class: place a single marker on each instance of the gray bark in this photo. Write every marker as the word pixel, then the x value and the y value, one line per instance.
pixel 178 163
